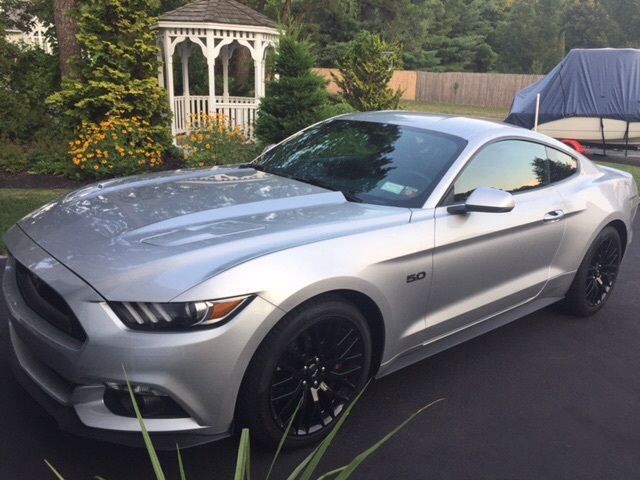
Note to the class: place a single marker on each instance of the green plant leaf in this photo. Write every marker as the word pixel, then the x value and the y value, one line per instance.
pixel 153 456
pixel 284 437
pixel 243 461
pixel 180 464
pixel 331 473
pixel 322 448
pixel 55 472
pixel 302 464
pixel 349 469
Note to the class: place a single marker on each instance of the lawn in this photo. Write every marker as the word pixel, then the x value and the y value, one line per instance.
pixel 15 203
pixel 450 109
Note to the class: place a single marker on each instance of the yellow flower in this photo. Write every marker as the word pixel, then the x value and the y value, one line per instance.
pixel 96 167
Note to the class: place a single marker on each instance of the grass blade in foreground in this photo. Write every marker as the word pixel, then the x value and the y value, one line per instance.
pixel 55 472
pixel 284 437
pixel 322 448
pixel 180 464
pixel 157 468
pixel 346 472
pixel 242 463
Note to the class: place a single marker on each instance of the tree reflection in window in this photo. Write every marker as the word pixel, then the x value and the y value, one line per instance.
pixel 373 162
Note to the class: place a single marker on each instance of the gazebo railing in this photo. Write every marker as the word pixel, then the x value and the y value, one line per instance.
pixel 239 111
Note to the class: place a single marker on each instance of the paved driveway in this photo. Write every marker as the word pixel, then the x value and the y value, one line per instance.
pixel 546 397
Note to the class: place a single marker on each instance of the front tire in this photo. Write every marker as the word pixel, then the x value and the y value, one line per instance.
pixel 596 277
pixel 318 357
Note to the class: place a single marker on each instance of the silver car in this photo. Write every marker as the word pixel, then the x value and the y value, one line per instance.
pixel 235 296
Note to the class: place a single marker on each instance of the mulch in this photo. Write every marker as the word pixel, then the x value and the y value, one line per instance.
pixel 26 180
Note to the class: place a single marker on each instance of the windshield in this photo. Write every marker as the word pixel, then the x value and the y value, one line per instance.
pixel 369 162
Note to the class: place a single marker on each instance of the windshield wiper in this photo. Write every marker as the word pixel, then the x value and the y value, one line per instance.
pixel 255 166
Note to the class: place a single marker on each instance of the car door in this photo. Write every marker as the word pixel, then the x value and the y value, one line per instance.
pixel 486 263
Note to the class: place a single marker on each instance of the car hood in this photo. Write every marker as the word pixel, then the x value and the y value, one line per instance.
pixel 152 237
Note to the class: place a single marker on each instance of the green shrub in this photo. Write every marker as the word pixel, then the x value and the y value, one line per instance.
pixel 117 75
pixel 212 141
pixel 12 157
pixel 48 156
pixel 366 67
pixel 116 147
pixel 298 98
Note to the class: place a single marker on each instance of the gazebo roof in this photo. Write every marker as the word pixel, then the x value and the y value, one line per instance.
pixel 217 11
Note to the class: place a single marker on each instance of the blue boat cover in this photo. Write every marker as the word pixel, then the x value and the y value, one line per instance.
pixel 602 83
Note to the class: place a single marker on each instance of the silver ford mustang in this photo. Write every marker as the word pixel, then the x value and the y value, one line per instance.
pixel 238 296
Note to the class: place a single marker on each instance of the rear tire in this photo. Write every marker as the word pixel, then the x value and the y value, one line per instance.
pixel 319 354
pixel 596 277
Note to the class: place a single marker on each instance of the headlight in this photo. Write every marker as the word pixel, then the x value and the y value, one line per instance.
pixel 178 315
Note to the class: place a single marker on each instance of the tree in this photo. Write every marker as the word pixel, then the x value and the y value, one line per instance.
pixel 117 75
pixel 298 98
pixel 626 17
pixel 529 39
pixel 66 30
pixel 365 72
pixel 586 25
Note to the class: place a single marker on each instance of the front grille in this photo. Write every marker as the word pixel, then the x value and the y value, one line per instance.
pixel 47 303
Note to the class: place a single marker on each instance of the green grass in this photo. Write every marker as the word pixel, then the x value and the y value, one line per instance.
pixel 15 203
pixel 449 109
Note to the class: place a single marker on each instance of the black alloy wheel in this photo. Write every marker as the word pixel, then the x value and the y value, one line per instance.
pixel 596 277
pixel 317 375
pixel 602 272
pixel 312 363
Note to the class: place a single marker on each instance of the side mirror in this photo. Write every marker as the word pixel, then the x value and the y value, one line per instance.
pixel 488 200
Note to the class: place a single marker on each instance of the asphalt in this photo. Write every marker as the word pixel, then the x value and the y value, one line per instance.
pixel 546 397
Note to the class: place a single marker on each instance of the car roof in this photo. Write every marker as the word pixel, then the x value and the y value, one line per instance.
pixel 450 124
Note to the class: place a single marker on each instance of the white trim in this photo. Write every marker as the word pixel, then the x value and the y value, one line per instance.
pixel 218 26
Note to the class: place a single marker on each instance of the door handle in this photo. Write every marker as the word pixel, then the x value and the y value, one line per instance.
pixel 553 216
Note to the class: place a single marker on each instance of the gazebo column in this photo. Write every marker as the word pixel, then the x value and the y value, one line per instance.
pixel 168 63
pixel 160 64
pixel 225 74
pixel 185 52
pixel 257 78
pixel 211 72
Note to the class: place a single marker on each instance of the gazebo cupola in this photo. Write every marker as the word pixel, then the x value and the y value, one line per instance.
pixel 218 28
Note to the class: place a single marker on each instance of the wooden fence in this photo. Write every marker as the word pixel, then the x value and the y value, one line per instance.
pixel 462 88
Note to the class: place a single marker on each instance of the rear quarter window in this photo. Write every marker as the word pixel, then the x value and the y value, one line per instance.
pixel 561 165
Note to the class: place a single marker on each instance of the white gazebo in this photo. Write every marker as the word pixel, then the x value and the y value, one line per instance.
pixel 218 28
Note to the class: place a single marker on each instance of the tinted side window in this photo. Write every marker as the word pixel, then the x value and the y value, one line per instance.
pixel 511 165
pixel 561 165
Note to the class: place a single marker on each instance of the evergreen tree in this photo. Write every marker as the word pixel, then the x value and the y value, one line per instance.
pixel 365 72
pixel 298 98
pixel 586 25
pixel 530 40
pixel 117 74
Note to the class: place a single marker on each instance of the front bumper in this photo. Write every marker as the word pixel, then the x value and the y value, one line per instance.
pixel 201 370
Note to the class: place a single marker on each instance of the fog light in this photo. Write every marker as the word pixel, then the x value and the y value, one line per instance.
pixel 152 403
